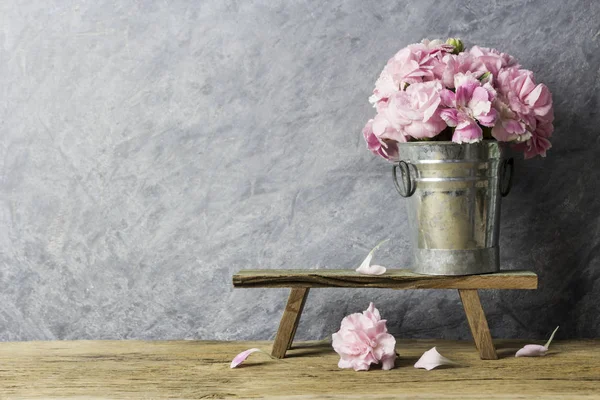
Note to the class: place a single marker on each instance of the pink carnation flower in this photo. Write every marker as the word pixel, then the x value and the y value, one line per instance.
pixel 425 87
pixel 388 121
pixel 470 105
pixel 508 127
pixel 387 149
pixel 538 143
pixel 492 59
pixel 462 63
pixel 524 97
pixel 363 340
pixel 414 112
pixel 530 105
pixel 415 63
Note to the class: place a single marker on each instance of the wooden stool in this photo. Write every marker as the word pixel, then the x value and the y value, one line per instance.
pixel 300 281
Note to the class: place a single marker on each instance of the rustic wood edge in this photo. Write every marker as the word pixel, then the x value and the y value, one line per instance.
pixel 394 279
pixel 478 324
pixel 289 321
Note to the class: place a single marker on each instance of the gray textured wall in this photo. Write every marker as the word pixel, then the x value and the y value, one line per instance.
pixel 150 149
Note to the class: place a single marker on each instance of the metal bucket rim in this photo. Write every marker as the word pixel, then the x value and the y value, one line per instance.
pixel 445 142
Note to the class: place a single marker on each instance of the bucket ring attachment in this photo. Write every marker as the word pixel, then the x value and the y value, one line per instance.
pixel 408 188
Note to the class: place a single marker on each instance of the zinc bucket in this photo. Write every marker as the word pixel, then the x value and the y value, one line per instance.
pixel 453 194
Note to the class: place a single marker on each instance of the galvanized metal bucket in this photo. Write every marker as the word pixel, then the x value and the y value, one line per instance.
pixel 453 201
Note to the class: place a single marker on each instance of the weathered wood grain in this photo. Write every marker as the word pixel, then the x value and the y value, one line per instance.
pixel 200 370
pixel 478 324
pixel 392 279
pixel 289 321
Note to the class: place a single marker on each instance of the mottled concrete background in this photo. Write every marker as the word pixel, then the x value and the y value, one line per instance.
pixel 150 149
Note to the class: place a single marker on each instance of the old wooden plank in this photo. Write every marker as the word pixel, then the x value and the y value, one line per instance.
pixel 392 279
pixel 289 321
pixel 195 370
pixel 478 324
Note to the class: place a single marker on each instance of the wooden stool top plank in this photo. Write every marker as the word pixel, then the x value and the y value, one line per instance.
pixel 392 279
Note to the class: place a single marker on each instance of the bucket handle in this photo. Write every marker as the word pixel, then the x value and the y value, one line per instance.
pixel 407 189
pixel 508 164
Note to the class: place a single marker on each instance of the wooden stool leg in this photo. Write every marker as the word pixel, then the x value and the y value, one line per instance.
pixel 478 324
pixel 289 321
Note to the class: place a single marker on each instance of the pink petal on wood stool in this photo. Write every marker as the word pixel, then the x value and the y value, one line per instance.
pixel 371 270
pixel 366 268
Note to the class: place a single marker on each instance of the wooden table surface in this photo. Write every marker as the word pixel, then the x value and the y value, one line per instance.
pixel 200 370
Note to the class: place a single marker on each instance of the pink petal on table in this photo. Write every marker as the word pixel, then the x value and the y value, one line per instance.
pixel 432 359
pixel 536 350
pixel 240 358
pixel 532 350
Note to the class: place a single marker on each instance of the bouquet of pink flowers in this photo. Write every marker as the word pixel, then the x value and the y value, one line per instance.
pixel 440 91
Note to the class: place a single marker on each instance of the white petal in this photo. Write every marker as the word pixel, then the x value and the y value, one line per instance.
pixel 371 270
pixel 532 350
pixel 536 350
pixel 364 266
pixel 432 359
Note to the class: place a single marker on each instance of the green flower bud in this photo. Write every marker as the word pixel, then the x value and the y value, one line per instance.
pixel 484 76
pixel 457 43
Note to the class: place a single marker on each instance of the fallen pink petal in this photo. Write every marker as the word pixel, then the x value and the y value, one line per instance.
pixel 366 268
pixel 432 359
pixel 536 350
pixel 240 358
pixel 532 350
